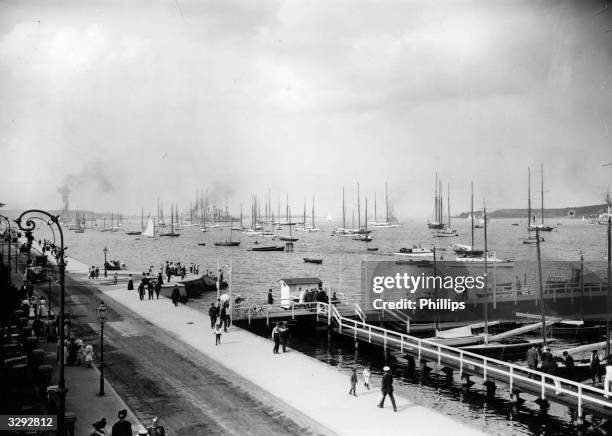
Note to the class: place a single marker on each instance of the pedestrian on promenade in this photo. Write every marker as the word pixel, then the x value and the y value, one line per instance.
pixel 217 332
pixel 115 277
pixel 595 366
pixel 80 351
pixel 88 355
pixel 92 272
pixel 366 378
pixel 212 313
pixel 352 391
pixel 387 389
pixel 130 284
pixel 156 429
pixel 276 337
pixel 176 295
pixel 99 428
pixel 270 297
pixel 532 359
pixel 150 290
pixel 160 278
pixel 97 272
pixel 157 289
pixel 123 426
pixel 141 291
pixel 284 335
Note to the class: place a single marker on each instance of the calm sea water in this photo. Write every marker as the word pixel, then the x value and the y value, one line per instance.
pixel 253 273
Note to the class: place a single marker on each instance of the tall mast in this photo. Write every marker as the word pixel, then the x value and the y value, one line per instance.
pixel 304 217
pixel 366 215
pixel 375 215
pixel 358 210
pixel 313 226
pixel 486 289
pixel 542 171
pixel 141 220
pixel 472 211
pixel 436 220
pixel 528 199
pixel 608 296
pixel 541 283
pixel 343 211
pixel 287 207
pixel 241 215
pixel 448 199
pixel 387 202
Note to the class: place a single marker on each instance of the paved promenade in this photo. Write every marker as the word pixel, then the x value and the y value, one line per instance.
pixel 306 384
pixel 316 389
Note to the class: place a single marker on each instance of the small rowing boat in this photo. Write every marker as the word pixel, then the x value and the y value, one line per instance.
pixel 313 260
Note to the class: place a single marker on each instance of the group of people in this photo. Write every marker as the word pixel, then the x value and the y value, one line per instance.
pixel 280 336
pixel 313 295
pixel 123 427
pixel 175 269
pixel 219 318
pixel 94 272
pixel 386 385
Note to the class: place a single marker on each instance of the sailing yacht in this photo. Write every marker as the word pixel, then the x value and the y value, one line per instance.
pixel 437 223
pixel 171 233
pixel 149 232
pixel 541 226
pixel 531 238
pixel 447 232
pixel 387 223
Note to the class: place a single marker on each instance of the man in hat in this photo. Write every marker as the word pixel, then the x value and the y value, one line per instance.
pixel 122 427
pixel 387 388
pixel 156 428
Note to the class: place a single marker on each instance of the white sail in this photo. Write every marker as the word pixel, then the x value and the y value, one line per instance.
pixel 150 230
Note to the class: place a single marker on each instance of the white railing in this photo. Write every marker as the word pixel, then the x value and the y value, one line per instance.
pixel 466 360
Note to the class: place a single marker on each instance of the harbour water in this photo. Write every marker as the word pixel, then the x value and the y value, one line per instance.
pixel 254 273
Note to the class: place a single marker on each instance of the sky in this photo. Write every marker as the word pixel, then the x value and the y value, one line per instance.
pixel 116 104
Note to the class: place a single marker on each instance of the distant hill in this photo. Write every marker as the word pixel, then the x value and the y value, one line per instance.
pixel 579 211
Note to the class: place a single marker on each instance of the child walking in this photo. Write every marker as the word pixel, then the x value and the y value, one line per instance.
pixel 217 332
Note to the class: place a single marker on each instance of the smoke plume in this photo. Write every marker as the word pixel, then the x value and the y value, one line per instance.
pixel 94 174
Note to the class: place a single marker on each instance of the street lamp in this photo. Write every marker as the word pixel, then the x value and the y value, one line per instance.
pixel 105 251
pixel 29 227
pixel 102 318
pixel 8 222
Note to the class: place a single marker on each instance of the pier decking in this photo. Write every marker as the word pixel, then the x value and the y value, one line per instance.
pixel 518 378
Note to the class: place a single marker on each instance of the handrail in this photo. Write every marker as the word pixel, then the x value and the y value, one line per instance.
pixel 359 312
pixel 488 365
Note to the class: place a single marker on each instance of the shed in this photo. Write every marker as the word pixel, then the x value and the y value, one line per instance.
pixel 290 288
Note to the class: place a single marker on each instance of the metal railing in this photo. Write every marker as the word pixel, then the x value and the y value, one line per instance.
pixel 468 361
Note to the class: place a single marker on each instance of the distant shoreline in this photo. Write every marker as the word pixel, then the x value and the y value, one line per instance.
pixel 579 212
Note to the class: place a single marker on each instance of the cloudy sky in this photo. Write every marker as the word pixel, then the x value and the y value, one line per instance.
pixel 124 102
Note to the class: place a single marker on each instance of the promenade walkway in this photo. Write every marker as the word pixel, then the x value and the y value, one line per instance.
pixel 310 386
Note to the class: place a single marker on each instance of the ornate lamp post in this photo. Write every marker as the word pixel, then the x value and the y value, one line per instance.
pixel 105 251
pixel 8 222
pixel 28 228
pixel 102 318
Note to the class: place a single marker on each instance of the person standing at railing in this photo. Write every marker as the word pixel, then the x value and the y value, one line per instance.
pixel 387 389
pixel 212 313
pixel 594 364
pixel 532 359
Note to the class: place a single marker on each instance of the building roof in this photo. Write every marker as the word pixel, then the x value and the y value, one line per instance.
pixel 301 281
